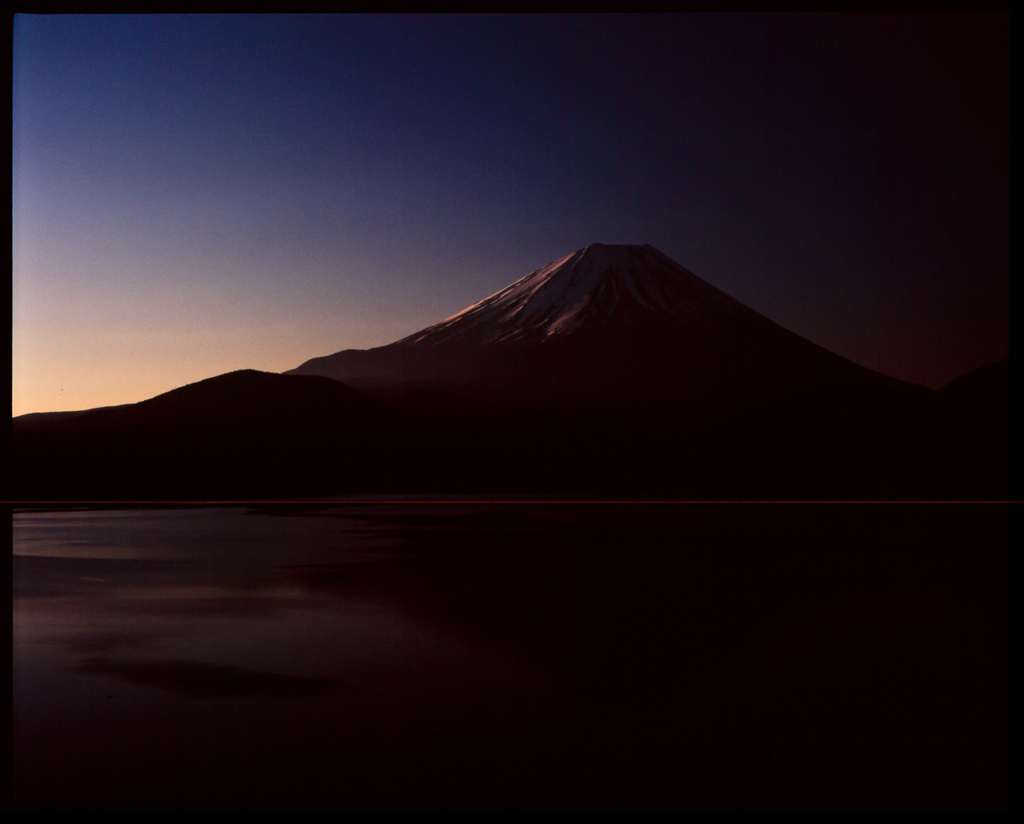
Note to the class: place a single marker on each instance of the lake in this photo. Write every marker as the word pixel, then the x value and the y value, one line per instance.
pixel 372 653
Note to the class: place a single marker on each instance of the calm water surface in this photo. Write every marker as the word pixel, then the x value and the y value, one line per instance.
pixel 230 652
pixel 372 654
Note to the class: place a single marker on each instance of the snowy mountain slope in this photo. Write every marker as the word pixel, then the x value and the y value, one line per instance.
pixel 591 286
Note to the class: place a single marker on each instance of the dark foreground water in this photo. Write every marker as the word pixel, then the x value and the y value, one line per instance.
pixel 487 654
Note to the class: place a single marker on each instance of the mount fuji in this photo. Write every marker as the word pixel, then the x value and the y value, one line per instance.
pixel 598 332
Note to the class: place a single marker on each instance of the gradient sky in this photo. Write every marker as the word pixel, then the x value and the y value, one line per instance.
pixel 198 194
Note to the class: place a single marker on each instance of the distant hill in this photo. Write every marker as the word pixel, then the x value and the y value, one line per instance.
pixel 241 435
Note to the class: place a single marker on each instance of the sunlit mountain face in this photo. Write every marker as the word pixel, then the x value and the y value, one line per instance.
pixel 593 287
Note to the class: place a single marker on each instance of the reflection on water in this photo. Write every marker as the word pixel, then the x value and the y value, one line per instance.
pixel 156 648
pixel 509 653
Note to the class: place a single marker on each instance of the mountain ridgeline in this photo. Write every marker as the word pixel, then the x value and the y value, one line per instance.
pixel 612 372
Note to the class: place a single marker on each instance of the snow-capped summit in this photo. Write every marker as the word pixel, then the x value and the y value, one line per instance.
pixel 591 286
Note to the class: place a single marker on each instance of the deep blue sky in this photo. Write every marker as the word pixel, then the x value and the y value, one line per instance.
pixel 197 194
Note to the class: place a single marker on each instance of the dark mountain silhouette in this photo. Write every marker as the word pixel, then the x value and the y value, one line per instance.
pixel 245 434
pixel 971 428
pixel 613 372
